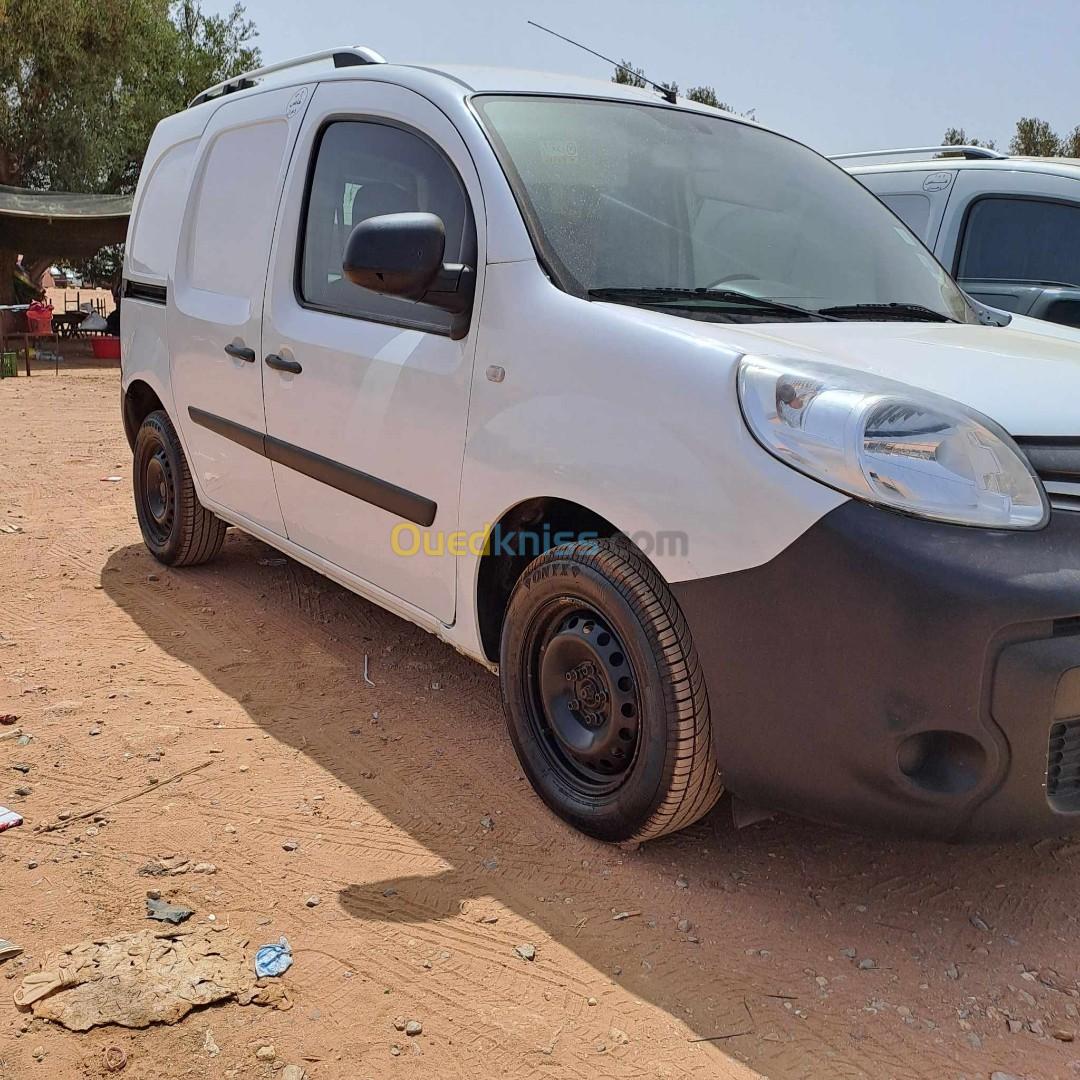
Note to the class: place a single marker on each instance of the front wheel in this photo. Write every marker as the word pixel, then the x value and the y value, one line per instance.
pixel 604 695
pixel 177 529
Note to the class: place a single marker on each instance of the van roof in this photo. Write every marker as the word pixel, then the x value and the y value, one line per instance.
pixel 359 62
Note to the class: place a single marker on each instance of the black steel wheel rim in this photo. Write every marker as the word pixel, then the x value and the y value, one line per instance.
pixel 158 494
pixel 582 697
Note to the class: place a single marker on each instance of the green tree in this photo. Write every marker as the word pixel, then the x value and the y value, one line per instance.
pixel 1035 138
pixel 959 137
pixel 628 75
pixel 82 86
pixel 1070 145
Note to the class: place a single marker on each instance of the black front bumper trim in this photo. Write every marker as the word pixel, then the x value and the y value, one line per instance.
pixel 897 674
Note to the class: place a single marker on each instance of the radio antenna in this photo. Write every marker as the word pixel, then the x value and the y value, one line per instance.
pixel 665 91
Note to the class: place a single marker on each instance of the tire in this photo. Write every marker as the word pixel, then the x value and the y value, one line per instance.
pixel 604 695
pixel 177 529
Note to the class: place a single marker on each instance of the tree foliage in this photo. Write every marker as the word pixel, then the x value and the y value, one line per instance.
pixel 84 82
pixel 1033 138
pixel 628 75
pixel 959 137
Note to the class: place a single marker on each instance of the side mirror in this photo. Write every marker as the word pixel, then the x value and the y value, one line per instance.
pixel 402 255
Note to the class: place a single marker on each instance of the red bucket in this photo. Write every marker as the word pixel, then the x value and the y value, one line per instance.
pixel 105 348
pixel 39 318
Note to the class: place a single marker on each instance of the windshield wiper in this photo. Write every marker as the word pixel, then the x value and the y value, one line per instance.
pixel 899 312
pixel 658 296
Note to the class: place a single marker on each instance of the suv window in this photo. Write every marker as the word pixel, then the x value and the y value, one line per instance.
pixel 1021 240
pixel 913 211
pixel 363 169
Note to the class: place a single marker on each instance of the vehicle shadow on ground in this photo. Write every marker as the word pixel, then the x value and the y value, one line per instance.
pixel 772 909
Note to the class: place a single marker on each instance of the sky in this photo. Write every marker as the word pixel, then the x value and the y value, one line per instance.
pixel 839 75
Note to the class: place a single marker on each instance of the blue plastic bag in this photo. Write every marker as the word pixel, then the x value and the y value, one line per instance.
pixel 273 959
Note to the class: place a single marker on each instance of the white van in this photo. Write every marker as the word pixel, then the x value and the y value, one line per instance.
pixel 655 412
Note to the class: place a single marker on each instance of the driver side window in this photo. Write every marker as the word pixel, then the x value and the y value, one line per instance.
pixel 364 169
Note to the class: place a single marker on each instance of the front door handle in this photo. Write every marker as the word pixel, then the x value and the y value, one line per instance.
pixel 241 352
pixel 279 363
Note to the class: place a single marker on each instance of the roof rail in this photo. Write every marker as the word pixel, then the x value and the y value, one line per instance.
pixel 344 56
pixel 937 151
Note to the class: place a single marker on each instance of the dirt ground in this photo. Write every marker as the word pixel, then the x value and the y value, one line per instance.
pixel 804 952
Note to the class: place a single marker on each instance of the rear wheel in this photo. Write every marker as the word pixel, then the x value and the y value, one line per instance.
pixel 177 529
pixel 604 695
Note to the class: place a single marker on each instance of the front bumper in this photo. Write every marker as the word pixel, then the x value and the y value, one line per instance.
pixel 902 675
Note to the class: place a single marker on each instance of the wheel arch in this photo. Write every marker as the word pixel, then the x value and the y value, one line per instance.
pixel 544 518
pixel 140 400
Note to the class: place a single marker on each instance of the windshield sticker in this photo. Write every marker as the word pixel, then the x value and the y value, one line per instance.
pixel 559 151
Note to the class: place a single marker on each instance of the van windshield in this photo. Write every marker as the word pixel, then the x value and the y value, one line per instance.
pixel 667 208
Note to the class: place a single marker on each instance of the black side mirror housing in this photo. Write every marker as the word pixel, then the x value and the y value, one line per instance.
pixel 402 255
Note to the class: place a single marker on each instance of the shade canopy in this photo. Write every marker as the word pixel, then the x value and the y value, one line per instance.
pixel 61 223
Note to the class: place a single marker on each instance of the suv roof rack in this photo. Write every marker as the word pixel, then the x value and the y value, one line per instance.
pixel 343 56
pixel 937 151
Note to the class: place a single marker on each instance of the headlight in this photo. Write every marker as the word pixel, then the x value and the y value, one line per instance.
pixel 890 444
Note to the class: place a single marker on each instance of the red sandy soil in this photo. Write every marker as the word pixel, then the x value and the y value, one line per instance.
pixel 126 673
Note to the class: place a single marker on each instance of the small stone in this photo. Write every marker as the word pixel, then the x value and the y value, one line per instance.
pixel 681 883
pixel 618 1036
pixel 866 964
pixel 1063 1034
pixel 243 768
pixel 979 923
pixel 952 972
pixel 526 952
pixel 487 823
pixel 31 865
pixel 1026 998
pixel 289 845
pixel 1036 1028
pixel 973 1041
pixel 293 1072
pixel 903 1012
pixel 230 829
pixel 592 1002
pixel 38 1053
pixel 395 1050
pixel 683 926
pixel 1003 1076
pixel 313 901
pixel 204 868
pixel 822 982
pixel 1014 1026
pixel 95 730
pixel 266 1053
pixel 399 1023
pixel 848 952
pixel 210 1045
pixel 23 791
pixel 414 1028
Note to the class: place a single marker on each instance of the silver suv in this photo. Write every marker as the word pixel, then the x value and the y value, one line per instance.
pixel 1008 228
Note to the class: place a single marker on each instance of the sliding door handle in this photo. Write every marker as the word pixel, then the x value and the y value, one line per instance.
pixel 279 363
pixel 241 352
